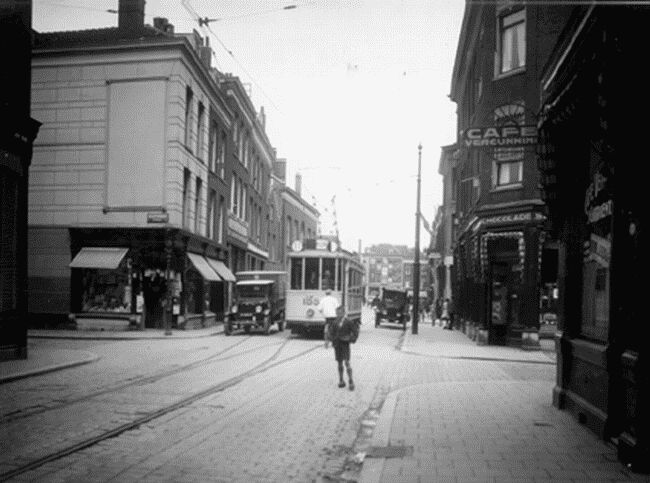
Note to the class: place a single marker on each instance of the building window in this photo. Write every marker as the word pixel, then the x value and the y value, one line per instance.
pixel 213 146
pixel 212 215
pixel 509 173
pixel 221 155
pixel 189 95
pixel 220 218
pixel 197 205
pixel 234 195
pixel 186 197
pixel 199 131
pixel 512 41
pixel 508 167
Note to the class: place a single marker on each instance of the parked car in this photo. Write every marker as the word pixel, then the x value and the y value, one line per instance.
pixel 259 301
pixel 393 307
pixel 547 325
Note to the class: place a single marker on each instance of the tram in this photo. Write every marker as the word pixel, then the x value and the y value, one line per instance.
pixel 314 266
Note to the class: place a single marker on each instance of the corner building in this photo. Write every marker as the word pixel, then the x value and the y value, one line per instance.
pixel 128 196
pixel 502 251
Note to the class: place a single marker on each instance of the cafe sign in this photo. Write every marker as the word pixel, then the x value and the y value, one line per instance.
pixel 509 136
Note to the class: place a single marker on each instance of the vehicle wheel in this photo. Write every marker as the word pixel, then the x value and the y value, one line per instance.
pixel 280 325
pixel 267 326
pixel 226 329
pixel 247 329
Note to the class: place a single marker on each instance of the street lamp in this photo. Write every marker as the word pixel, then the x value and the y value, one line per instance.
pixel 416 265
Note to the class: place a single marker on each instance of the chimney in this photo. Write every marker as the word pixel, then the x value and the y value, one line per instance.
pixel 162 24
pixel 280 169
pixel 130 14
pixel 205 53
pixel 298 184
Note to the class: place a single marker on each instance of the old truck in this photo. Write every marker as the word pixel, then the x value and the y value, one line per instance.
pixel 393 307
pixel 258 302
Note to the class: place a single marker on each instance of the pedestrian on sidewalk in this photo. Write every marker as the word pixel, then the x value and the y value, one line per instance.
pixel 445 316
pixel 342 332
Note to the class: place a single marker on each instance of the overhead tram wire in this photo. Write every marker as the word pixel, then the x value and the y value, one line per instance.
pixel 204 24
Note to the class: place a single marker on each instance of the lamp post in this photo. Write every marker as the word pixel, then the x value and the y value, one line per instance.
pixel 416 265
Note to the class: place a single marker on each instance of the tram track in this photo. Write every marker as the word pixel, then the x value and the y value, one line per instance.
pixel 28 412
pixel 263 366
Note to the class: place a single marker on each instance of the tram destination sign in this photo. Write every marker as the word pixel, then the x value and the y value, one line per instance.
pixel 500 137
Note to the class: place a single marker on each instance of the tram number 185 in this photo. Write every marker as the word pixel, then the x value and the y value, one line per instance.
pixel 310 300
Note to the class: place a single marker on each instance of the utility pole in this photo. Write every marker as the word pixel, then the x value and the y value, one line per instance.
pixel 416 265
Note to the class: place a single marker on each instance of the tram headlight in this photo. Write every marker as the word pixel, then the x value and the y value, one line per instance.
pixel 310 313
pixel 258 309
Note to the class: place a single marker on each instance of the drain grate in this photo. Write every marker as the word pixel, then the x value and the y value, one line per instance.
pixel 389 451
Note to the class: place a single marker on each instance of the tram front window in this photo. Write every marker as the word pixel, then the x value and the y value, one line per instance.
pixel 327 280
pixel 311 273
pixel 296 273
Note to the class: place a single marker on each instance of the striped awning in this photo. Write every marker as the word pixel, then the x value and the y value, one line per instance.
pixel 99 257
pixel 202 266
pixel 221 269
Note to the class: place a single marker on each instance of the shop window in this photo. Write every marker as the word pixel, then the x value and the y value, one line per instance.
pixel 312 270
pixel 194 296
pixel 512 41
pixel 106 290
pixel 595 305
pixel 296 273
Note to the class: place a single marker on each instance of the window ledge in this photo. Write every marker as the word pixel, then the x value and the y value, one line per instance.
pixel 509 187
pixel 510 73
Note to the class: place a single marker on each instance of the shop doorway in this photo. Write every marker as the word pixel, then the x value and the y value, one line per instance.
pixel 504 304
pixel 154 290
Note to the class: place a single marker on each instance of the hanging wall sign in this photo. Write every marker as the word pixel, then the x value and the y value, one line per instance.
pixel 500 137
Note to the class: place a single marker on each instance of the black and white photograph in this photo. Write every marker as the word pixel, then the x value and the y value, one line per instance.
pixel 323 241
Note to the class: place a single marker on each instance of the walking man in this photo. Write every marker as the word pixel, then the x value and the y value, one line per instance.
pixel 341 332
pixel 327 306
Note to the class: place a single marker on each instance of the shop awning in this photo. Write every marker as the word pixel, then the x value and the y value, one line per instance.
pixel 221 269
pixel 201 264
pixel 99 257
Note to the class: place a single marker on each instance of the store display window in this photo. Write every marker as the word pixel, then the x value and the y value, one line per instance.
pixel 106 290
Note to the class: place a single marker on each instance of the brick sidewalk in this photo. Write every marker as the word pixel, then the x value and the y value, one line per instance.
pixel 483 430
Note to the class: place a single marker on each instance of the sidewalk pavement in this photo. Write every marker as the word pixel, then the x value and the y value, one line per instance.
pixel 437 342
pixel 486 430
pixel 41 360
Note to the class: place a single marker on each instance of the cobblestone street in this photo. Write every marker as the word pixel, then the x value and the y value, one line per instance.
pixel 269 410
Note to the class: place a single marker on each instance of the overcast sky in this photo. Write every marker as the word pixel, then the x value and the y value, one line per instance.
pixel 350 89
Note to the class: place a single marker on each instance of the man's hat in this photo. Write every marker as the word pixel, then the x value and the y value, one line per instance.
pixel 328 291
